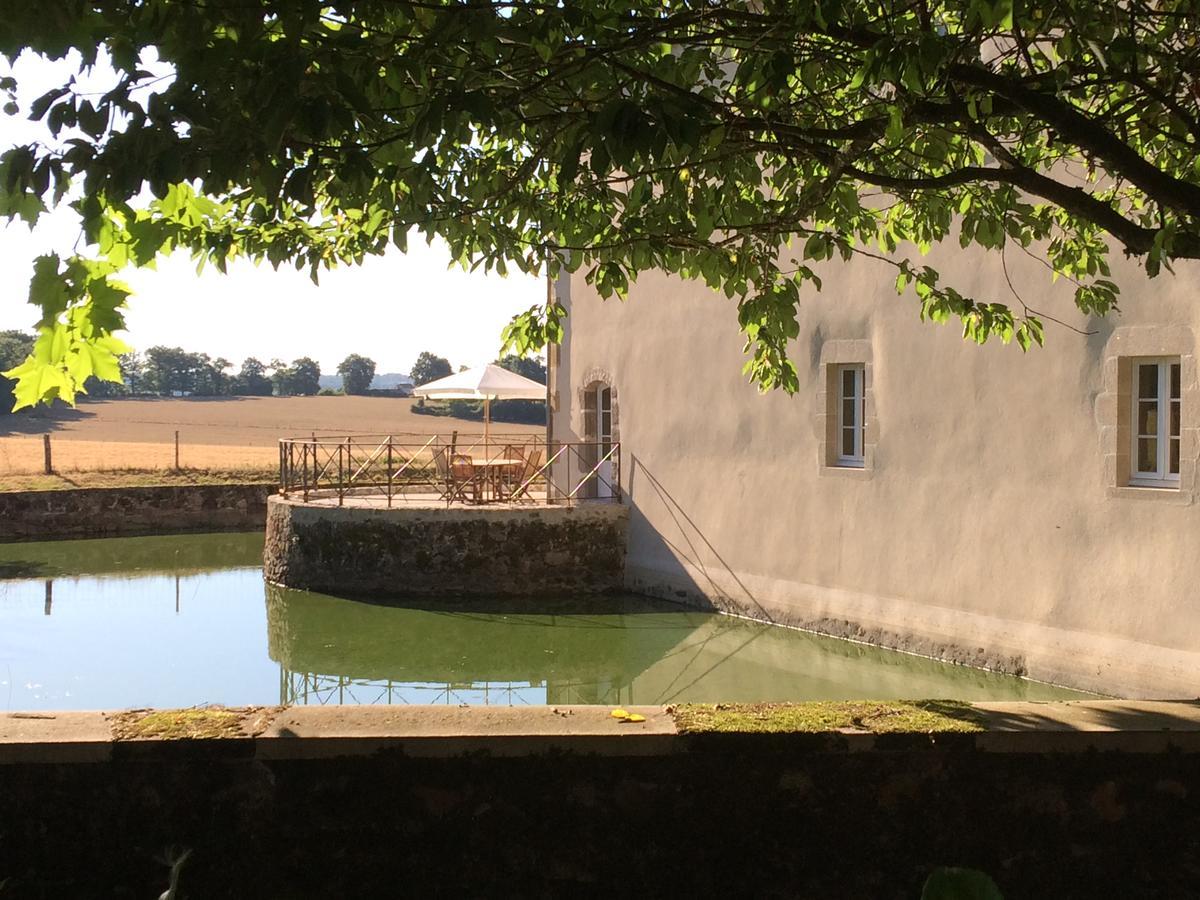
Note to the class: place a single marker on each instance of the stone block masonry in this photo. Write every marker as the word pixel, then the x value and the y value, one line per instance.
pixel 113 512
pixel 459 551
pixel 566 802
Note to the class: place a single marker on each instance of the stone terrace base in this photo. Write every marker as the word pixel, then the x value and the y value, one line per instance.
pixel 461 551
pixel 1086 800
pixel 128 511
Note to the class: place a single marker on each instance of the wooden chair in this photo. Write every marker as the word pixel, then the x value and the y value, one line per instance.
pixel 464 476
pixel 443 479
pixel 533 462
pixel 509 475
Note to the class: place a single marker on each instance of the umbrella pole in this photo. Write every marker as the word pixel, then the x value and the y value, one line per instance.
pixel 487 426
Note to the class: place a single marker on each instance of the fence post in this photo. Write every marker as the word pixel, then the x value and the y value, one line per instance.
pixel 47 460
pixel 617 471
pixel 176 451
pixel 573 451
pixel 304 469
pixel 341 473
pixel 389 472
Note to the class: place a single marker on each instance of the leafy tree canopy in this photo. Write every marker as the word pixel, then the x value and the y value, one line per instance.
pixel 301 379
pixel 733 141
pixel 169 370
pixel 252 380
pixel 429 367
pixel 357 373
pixel 306 376
pixel 529 367
pixel 133 372
pixel 15 347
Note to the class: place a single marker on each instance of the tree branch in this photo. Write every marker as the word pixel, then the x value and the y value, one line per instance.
pixel 1087 133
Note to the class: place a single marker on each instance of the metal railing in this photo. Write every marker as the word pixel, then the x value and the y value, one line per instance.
pixel 469 469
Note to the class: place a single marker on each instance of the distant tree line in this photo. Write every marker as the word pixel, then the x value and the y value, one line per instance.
pixel 172 371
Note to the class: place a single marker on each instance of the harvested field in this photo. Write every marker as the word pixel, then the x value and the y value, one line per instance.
pixel 24 455
pixel 229 433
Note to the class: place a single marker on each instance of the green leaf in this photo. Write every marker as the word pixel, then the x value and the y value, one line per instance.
pixel 39 106
pixel 36 383
pixel 47 289
pixel 960 884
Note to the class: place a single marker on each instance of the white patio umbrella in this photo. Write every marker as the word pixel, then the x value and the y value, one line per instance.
pixel 486 383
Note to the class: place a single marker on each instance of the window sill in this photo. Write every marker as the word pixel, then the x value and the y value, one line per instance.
pixel 1160 484
pixel 1163 493
pixel 848 471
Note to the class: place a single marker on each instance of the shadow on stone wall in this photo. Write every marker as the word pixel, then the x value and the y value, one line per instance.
pixel 686 550
pixel 703 823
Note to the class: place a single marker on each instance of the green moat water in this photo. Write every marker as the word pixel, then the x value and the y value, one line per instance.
pixel 185 620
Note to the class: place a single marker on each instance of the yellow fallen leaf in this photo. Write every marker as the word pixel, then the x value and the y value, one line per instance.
pixel 635 717
pixel 619 714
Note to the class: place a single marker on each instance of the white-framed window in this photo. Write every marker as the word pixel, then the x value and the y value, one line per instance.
pixel 1157 408
pixel 851 412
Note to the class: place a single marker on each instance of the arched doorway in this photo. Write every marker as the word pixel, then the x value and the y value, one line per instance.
pixel 598 433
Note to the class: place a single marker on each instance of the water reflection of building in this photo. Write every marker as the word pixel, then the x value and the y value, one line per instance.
pixel 615 651
pixel 332 650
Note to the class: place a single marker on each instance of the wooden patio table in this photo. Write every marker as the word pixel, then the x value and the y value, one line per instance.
pixel 493 469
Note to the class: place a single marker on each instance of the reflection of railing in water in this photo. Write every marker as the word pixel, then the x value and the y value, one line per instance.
pixel 312 689
pixel 468 468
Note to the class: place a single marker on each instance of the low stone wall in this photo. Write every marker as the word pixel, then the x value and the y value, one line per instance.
pixel 381 802
pixel 109 512
pixel 458 551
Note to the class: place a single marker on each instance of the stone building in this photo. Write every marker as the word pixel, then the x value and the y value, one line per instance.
pixel 1032 513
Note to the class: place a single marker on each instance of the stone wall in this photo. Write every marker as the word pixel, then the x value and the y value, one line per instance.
pixel 788 816
pixel 460 551
pixel 109 512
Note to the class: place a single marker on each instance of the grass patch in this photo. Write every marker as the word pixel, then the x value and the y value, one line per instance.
pixel 189 724
pixel 877 717
pixel 119 478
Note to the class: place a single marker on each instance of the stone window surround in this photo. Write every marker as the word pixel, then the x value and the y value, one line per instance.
pixel 1114 408
pixel 592 378
pixel 837 353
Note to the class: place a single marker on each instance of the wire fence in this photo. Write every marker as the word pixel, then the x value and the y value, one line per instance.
pixel 52 454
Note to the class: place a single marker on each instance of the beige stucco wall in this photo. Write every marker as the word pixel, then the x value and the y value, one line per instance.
pixel 991 524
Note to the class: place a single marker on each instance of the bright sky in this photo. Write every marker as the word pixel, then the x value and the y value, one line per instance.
pixel 389 309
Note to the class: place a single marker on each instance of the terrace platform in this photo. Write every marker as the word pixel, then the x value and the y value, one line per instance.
pixel 446 516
